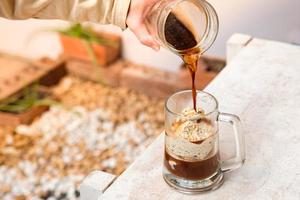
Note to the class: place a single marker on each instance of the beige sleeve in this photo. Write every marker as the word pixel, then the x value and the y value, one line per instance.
pixel 99 11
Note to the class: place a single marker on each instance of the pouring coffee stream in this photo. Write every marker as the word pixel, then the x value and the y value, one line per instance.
pixel 191 62
pixel 182 38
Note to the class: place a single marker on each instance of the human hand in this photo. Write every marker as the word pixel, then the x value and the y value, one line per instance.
pixel 136 22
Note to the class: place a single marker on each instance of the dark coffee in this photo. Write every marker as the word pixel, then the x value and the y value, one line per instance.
pixel 178 35
pixel 181 38
pixel 190 59
pixel 193 170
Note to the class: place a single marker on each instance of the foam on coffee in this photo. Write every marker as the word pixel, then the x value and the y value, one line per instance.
pixel 191 140
pixel 185 150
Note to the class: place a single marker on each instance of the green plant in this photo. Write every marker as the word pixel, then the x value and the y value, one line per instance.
pixel 86 34
pixel 89 37
pixel 30 97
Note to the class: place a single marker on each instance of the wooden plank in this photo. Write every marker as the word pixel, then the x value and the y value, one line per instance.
pixel 150 81
pixel 14 119
pixel 109 75
pixel 17 73
pixel 262 86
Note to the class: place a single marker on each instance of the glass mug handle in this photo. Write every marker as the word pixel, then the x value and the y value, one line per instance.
pixel 239 158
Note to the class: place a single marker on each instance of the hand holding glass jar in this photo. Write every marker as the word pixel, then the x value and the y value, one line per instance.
pixel 162 23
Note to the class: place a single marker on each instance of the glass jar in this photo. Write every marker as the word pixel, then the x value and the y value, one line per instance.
pixel 183 24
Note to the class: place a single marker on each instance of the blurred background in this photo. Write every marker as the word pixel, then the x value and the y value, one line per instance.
pixel 269 19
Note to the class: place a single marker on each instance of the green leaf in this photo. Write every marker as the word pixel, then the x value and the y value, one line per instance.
pixel 29 98
pixel 89 37
pixel 87 34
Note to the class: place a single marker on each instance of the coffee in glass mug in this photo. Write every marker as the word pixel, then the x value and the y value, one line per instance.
pixel 192 161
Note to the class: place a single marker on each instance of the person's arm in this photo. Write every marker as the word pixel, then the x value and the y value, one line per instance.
pixel 117 12
pixel 99 11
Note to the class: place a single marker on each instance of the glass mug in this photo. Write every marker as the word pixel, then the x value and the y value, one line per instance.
pixel 191 161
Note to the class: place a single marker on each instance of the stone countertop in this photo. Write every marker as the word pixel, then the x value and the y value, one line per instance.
pixel 261 85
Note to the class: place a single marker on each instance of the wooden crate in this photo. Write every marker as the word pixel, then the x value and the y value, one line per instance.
pixel 57 70
pixel 16 73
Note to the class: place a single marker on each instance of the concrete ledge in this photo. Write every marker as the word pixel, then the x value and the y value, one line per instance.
pixel 95 184
pixel 235 44
pixel 261 85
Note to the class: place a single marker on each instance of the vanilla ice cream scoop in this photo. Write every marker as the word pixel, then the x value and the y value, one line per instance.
pixel 193 138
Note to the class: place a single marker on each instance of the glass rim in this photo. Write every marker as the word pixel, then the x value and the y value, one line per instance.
pixel 190 91
pixel 214 13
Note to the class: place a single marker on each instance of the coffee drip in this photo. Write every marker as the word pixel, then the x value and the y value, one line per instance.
pixel 181 37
